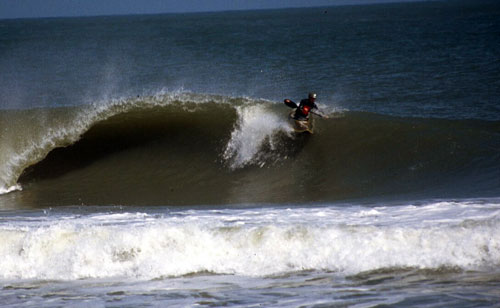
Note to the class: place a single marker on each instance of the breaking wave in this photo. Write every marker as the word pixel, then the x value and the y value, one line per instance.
pixel 253 242
pixel 186 148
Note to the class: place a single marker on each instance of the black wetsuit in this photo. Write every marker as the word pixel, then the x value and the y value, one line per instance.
pixel 299 114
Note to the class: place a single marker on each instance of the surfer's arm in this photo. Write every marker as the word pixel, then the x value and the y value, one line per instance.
pixel 318 112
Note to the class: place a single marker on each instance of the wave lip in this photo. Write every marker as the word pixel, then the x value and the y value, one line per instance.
pixel 253 242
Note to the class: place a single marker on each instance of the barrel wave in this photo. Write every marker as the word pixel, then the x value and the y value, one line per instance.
pixel 185 148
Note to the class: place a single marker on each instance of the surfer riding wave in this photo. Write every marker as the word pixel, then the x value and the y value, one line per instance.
pixel 301 116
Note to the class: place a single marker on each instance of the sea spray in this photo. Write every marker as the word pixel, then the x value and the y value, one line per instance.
pixel 256 125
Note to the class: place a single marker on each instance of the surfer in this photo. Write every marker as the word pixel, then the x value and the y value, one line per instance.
pixel 305 107
pixel 300 116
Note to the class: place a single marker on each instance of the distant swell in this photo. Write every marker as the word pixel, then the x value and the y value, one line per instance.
pixel 201 149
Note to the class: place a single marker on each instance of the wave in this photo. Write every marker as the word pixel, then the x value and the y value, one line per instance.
pixel 29 135
pixel 186 148
pixel 252 242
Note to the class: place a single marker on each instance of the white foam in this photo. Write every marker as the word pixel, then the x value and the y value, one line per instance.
pixel 256 242
pixel 256 125
pixel 6 190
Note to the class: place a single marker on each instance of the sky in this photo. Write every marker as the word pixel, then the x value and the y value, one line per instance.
pixel 58 8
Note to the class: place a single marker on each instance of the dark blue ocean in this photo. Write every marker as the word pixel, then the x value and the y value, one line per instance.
pixel 149 160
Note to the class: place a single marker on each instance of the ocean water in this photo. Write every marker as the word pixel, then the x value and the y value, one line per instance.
pixel 149 160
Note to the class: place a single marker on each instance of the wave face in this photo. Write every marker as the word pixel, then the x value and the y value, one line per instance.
pixel 252 242
pixel 184 148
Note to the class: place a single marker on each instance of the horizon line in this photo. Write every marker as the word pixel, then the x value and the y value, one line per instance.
pixel 356 3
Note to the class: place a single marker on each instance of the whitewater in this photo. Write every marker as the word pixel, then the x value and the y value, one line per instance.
pixel 252 242
pixel 122 253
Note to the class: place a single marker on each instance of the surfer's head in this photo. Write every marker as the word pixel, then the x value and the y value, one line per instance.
pixel 312 96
